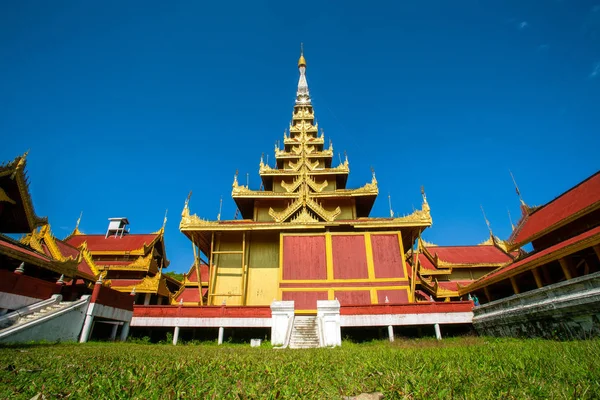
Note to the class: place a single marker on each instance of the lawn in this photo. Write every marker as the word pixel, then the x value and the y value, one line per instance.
pixel 470 367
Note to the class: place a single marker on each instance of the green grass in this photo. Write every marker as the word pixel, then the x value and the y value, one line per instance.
pixel 473 368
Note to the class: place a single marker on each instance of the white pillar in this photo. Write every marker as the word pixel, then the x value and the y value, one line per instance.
pixel 159 301
pixel 124 331
pixel 282 315
pixel 391 333
pixel 87 328
pixel 147 299
pixel 221 330
pixel 438 332
pixel 328 313
pixel 113 333
pixel 175 335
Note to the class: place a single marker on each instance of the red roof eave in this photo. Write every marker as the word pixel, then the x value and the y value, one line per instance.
pixel 584 240
pixel 574 203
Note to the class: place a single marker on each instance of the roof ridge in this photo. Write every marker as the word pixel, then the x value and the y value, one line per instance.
pixel 538 208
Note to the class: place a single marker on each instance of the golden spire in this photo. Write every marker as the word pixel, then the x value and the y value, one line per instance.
pixel 78 221
pixel 301 60
pixel 487 222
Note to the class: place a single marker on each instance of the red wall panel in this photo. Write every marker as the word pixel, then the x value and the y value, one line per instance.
pixel 349 257
pixel 387 259
pixel 355 297
pixel 304 300
pixel 304 257
pixel 394 296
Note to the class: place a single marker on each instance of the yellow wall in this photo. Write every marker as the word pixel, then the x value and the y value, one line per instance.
pixel 262 258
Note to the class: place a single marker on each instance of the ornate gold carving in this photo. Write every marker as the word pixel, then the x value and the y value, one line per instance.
pixel 296 165
pixel 312 165
pixel 427 244
pixel 322 212
pixel 16 170
pixel 281 216
pixel 304 216
pixel 317 187
pixel 291 187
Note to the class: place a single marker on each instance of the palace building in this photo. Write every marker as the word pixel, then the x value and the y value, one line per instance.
pixel 304 259
pixel 129 262
pixel 305 236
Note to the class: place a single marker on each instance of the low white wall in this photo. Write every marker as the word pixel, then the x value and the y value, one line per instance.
pixel 282 317
pixel 63 325
pixel 115 314
pixel 201 322
pixel 328 313
pixel 406 319
pixel 12 301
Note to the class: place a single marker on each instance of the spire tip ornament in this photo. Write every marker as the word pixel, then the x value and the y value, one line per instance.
pixel 301 60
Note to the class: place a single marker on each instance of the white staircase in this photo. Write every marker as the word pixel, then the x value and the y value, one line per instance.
pixel 305 333
pixel 51 320
pixel 37 315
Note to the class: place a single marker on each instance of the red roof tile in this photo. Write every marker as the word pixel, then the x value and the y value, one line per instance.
pixel 193 277
pixel 425 263
pixel 535 256
pixel 100 243
pixel 70 251
pixel 189 295
pixel 481 254
pixel 13 247
pixel 580 197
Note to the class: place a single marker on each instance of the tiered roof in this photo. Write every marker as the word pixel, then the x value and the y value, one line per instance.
pixel 143 255
pixel 193 290
pixel 435 261
pixel 303 174
pixel 576 202
pixel 16 208
pixel 303 189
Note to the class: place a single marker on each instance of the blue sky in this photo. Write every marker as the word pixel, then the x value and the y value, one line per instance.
pixel 127 106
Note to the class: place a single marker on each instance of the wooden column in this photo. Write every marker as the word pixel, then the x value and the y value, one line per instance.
pixel 513 282
pixel 487 294
pixel 597 251
pixel 537 277
pixel 545 274
pixel 566 267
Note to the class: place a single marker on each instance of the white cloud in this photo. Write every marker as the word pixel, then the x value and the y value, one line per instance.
pixel 596 70
pixel 523 25
pixel 544 47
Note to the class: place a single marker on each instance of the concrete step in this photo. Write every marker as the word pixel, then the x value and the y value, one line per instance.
pixel 304 333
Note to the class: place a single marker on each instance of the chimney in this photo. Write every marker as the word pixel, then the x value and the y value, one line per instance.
pixel 117 227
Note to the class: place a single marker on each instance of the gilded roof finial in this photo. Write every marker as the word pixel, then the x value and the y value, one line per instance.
pixel 220 208
pixel 78 221
pixel 373 179
pixel 235 180
pixel 301 60
pixel 512 226
pixel 487 223
pixel 186 210
pixel 425 206
pixel 20 164
pixel 524 207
